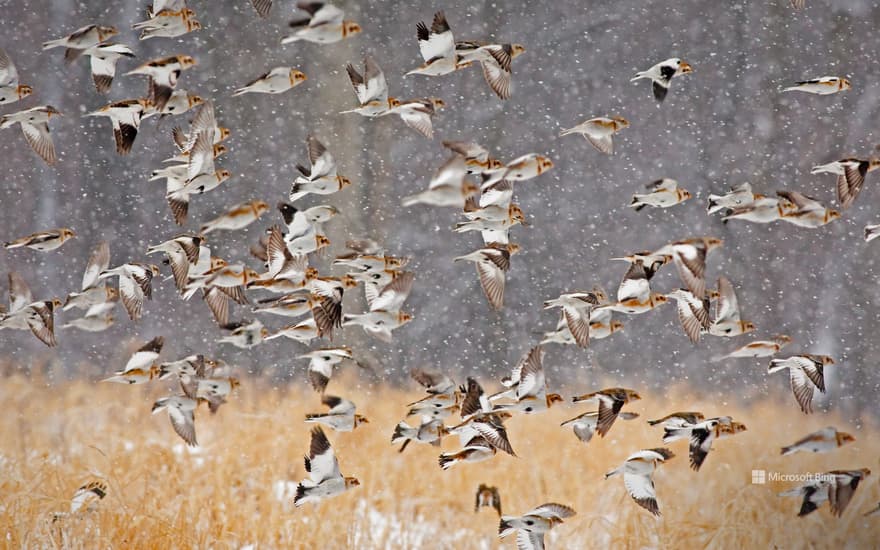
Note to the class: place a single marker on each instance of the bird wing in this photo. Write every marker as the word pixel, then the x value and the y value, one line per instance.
pixel 99 261
pixel 321 462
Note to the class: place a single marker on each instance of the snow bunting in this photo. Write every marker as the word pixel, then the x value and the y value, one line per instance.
pixel 610 402
pixel 490 436
pixel 488 497
pixel 430 431
pixel 528 386
pixel 10 89
pixel 693 313
pixel 93 292
pixel 808 211
pixel 703 434
pixel 576 309
pixel 237 217
pixel 679 419
pixel 26 314
pixel 690 258
pixel 135 284
pixel 638 476
pixel 598 131
pixel 276 81
pixel 822 441
pixel 850 174
pixel 34 124
pixel 168 23
pixel 125 117
pixel 492 264
pixel 81 39
pixel 584 425
pixel 245 334
pixel 531 526
pixel 496 61
pixel 871 232
pixel 475 155
pixel 661 75
pixel 806 372
pixel 741 195
pixel 181 412
pixel 761 210
pixel 437 46
pixel 43 241
pixel 325 479
pixel 727 321
pixel 821 86
pixel 418 113
pixel 136 376
pixel 759 348
pixel 103 59
pixel 325 24
pixel 837 487
pixel 145 356
pixel 341 416
pixel 321 177
pixel 448 186
pixel 371 90
pixel 378 324
pixel 521 168
pixel 663 194
pixel 163 73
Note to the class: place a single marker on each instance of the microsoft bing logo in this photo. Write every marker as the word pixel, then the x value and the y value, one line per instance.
pixel 759 477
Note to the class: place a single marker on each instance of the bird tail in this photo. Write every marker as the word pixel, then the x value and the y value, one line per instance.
pixel 787 450
pixel 301 496
pixel 774 366
pixel 411 200
pixel 54 43
pixel 675 433
pixel 791 89
pixel 290 39
pixel 13 244
pixel 639 75
pixel 446 461
pixel 505 527
pixel 240 91
pixel 566 132
pixel 613 472
pixel 654 422
pixel 400 432
pixel 637 205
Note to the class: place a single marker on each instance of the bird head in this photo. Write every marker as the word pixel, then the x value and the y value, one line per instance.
pixel 223 175
pixel 358 420
pixel 748 326
pixel 616 325
pixel 193 25
pixel 264 332
pixel 516 50
pixel 67 234
pixel 348 281
pixel 217 263
pixel 154 269
pixel 111 292
pixel 845 84
pixel 544 164
pixel 737 427
pixel 513 248
pixel 437 102
pixel 782 339
pixel 234 382
pixel 826 360
pixel 186 61
pixel 250 275
pixel 322 241
pixel 260 207
pixel 843 437
pixel 351 482
pixel 224 133
pixel 632 395
pixel 343 181
pixel 620 122
pixel 349 28
pixel 685 194
pixel 106 32
pixel 712 243
pixel 659 298
pixel 553 398
pixel 469 189
pixel 403 318
pixel 193 100
pixel 516 214
pixel 50 110
pixel 494 164
pixel 832 215
pixel 684 67
pixel 296 77
pixel 24 90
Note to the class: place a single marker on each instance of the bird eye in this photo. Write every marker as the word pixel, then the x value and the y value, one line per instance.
pixel 529 522
pixel 326 358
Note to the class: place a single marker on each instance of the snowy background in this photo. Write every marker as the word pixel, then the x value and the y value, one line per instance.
pixel 725 123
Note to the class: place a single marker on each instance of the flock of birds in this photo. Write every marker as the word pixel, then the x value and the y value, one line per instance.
pixel 299 291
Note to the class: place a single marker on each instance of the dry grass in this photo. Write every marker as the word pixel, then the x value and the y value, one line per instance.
pixel 161 495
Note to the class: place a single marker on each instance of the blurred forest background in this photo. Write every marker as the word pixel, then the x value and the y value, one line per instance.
pixel 725 123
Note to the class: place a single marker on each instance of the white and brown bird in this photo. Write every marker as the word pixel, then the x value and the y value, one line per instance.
pixel 321 177
pixel 740 195
pixel 821 86
pixel 135 285
pixel 821 441
pixel 81 39
pixel 275 81
pixel 125 117
pixel 492 264
pixel 448 186
pixel 599 131
pixel 807 212
pixel 371 90
pixel 531 527
pixel 437 46
pixel 26 314
pixel 418 114
pixel 42 241
pixel 325 479
pixel 34 124
pixel 10 88
pixel 610 402
pixel 638 476
pixel 759 348
pixel 851 173
pixel 238 217
pixel 689 256
pixel 727 321
pixel 103 59
pixel 837 487
pixel 341 416
pixel 576 309
pixel 488 497
pixel 163 73
pixel 496 61
pixel 663 194
pixel 181 413
pixel 325 24
pixel 527 386
pixel 693 313
pixel 661 75
pixel 806 373
pixel 584 425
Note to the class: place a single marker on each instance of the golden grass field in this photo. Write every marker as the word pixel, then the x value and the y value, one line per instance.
pixel 57 437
